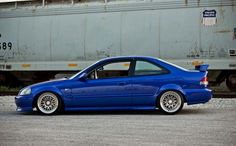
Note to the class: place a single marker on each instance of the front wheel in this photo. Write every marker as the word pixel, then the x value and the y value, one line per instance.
pixel 170 102
pixel 48 103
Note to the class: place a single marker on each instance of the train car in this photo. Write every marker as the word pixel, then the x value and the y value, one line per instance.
pixel 44 38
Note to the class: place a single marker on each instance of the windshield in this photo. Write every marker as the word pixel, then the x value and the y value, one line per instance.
pixel 72 77
pixel 75 75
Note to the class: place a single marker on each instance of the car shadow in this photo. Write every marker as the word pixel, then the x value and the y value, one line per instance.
pixel 121 112
pixel 195 112
pixel 115 112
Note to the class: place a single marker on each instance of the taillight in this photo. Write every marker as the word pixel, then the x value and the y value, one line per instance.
pixel 204 81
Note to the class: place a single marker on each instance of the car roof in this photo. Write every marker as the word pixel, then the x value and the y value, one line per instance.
pixel 128 57
pixel 155 59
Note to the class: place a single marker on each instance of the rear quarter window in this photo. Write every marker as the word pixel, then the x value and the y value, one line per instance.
pixel 147 68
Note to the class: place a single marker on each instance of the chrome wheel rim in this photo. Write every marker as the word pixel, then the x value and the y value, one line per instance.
pixel 170 101
pixel 47 103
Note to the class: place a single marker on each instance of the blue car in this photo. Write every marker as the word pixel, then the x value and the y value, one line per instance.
pixel 120 83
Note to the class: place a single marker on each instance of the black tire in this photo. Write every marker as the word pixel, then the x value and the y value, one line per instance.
pixel 170 102
pixel 48 103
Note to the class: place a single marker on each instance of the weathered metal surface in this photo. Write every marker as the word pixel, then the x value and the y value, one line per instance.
pixel 51 37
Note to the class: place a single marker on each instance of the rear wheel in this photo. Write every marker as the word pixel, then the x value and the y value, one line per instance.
pixel 170 102
pixel 48 103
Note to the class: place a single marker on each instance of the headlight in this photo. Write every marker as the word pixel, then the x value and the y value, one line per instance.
pixel 25 91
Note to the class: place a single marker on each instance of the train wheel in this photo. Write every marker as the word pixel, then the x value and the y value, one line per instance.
pixel 8 79
pixel 231 82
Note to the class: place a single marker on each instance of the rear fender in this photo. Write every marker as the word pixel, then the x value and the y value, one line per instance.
pixel 172 87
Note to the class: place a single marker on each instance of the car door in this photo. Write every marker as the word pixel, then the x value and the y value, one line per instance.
pixel 148 77
pixel 106 86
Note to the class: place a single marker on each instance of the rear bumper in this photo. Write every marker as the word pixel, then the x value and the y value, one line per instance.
pixel 24 103
pixel 196 96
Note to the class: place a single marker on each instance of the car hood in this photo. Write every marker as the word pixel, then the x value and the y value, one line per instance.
pixel 49 83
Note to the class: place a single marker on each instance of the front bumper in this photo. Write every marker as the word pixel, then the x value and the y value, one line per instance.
pixel 24 103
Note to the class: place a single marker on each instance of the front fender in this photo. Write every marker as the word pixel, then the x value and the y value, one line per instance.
pixel 37 91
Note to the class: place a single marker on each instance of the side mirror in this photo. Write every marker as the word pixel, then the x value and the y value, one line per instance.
pixel 83 77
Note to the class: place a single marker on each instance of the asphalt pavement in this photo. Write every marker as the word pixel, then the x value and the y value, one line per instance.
pixel 213 123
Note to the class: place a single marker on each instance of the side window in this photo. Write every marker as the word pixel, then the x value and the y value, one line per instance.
pixel 147 68
pixel 111 70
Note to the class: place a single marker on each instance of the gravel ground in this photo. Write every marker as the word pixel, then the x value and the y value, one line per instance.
pixel 209 124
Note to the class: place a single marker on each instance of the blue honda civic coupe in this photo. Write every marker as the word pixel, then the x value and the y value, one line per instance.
pixel 120 83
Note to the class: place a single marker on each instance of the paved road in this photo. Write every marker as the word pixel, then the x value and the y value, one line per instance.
pixel 213 123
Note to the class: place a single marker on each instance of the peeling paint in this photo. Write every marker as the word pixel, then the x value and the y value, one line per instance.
pixel 186 2
pixel 198 3
pixel 234 35
pixel 222 53
pixel 194 52
pixel 211 51
pixel 222 12
pixel 223 31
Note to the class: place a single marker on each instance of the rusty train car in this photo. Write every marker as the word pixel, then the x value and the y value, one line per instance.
pixel 46 38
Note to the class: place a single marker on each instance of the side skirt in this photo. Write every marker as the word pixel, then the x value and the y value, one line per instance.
pixel 109 108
